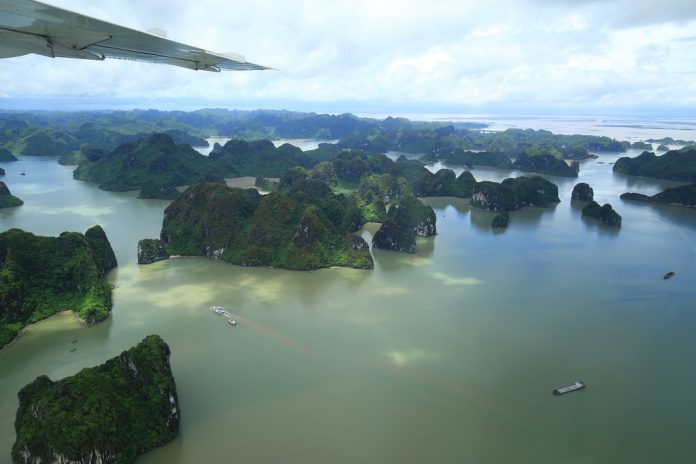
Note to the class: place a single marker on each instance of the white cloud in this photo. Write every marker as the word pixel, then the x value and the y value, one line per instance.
pixel 610 53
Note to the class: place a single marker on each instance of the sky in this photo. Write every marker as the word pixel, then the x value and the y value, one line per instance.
pixel 381 56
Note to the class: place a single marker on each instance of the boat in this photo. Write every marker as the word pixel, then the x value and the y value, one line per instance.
pixel 219 310
pixel 669 275
pixel 578 385
pixel 232 322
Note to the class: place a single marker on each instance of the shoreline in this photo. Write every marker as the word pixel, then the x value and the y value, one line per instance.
pixel 27 327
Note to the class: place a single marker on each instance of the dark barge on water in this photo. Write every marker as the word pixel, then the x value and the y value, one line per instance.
pixel 669 275
pixel 578 385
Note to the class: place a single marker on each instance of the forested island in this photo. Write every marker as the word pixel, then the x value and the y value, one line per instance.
pixel 105 414
pixel 74 136
pixel 41 276
pixel 7 200
pixel 514 193
pixel 302 226
pixel 582 192
pixel 605 214
pixel 154 164
pixel 674 165
pixel 684 196
pixel 63 134
pixel 6 155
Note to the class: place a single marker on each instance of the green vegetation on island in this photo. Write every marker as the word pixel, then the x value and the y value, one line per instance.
pixel 582 192
pixel 302 226
pixel 7 200
pixel 106 414
pixel 350 166
pixel 154 163
pixel 6 155
pixel 151 250
pixel 266 185
pixel 63 134
pixel 684 196
pixel 674 165
pixel 376 191
pixel 41 276
pixel 605 214
pixel 442 142
pixel 546 164
pixel 259 158
pixel 158 190
pixel 514 193
pixel 671 141
pixel 411 218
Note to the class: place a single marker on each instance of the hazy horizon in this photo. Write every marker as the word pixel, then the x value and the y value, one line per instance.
pixel 612 58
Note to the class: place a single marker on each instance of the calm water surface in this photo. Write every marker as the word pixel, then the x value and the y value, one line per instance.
pixel 445 356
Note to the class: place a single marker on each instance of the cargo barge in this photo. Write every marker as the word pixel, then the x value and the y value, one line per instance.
pixel 578 385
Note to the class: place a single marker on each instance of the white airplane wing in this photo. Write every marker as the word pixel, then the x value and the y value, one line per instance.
pixel 27 26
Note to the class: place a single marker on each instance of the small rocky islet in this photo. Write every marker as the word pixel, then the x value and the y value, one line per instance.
pixel 7 200
pixel 605 214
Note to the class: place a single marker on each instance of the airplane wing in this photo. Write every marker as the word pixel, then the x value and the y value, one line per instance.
pixel 28 26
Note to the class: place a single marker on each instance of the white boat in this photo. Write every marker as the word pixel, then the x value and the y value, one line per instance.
pixel 232 322
pixel 219 310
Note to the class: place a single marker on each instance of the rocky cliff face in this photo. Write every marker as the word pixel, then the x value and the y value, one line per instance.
pixel 605 214
pixel 7 200
pixel 547 164
pixel 6 155
pixel 514 193
pixel 303 225
pixel 404 223
pixel 494 197
pixel 582 192
pixel 150 251
pixel 106 414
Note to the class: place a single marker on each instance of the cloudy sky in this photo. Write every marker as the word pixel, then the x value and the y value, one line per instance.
pixel 456 56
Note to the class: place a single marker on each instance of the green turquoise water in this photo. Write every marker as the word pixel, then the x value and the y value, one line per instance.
pixel 446 356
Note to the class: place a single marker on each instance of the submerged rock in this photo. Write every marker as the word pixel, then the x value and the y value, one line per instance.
pixel 106 414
